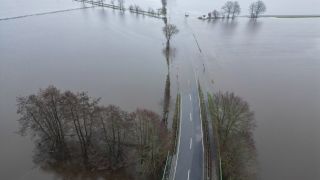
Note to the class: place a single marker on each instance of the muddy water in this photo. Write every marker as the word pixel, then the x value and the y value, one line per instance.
pixel 272 63
pixel 116 57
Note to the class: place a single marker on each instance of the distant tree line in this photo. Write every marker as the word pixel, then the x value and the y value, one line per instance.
pixel 74 130
pixel 120 5
pixel 232 9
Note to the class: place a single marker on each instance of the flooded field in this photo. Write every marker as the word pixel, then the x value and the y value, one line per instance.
pixel 272 63
pixel 115 57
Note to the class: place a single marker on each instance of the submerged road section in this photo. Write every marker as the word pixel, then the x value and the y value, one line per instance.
pixel 189 161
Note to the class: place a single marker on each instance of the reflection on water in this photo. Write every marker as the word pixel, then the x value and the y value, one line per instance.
pixel 60 172
pixel 272 63
pixel 253 26
pixel 169 54
pixel 229 26
pixel 82 51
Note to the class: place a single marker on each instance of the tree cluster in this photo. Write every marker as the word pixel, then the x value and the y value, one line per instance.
pixel 256 9
pixel 73 128
pixel 233 123
pixel 169 30
pixel 138 10
pixel 231 9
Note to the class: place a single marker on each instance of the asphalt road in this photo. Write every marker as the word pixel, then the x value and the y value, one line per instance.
pixel 189 161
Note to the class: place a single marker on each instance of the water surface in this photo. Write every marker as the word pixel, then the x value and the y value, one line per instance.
pixel 272 63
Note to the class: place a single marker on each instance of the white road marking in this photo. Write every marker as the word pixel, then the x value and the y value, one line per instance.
pixel 201 131
pixel 175 168
pixel 190 96
pixel 188 174
pixel 190 117
pixel 190 143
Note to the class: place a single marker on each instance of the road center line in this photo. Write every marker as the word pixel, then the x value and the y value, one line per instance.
pixel 190 143
pixel 190 117
pixel 188 174
pixel 190 96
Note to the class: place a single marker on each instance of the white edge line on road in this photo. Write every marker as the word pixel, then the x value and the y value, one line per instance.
pixel 195 77
pixel 190 143
pixel 188 174
pixel 201 131
pixel 175 168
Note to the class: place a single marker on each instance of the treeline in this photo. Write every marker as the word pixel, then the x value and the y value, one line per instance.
pixel 232 9
pixel 233 124
pixel 120 5
pixel 138 10
pixel 74 130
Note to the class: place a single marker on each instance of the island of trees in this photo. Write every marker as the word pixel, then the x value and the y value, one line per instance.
pixel 75 132
pixel 231 9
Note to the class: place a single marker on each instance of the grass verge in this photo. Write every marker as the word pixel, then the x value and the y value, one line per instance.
pixel 175 124
pixel 205 128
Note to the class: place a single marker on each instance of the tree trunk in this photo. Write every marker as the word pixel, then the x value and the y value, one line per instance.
pixel 168 45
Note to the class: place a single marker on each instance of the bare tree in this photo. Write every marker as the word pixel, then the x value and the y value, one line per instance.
pixel 115 130
pixel 215 14
pixel 121 4
pixel 252 10
pixel 233 123
pixel 256 9
pixel 236 9
pixel 231 8
pixel 81 111
pixel 137 8
pixel 42 115
pixel 227 8
pixel 169 30
pixel 153 143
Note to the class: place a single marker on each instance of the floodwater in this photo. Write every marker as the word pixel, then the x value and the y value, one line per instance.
pixel 113 56
pixel 272 63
